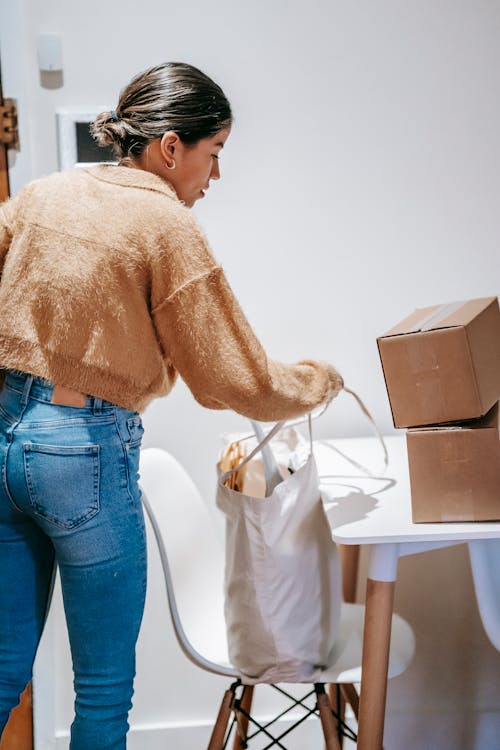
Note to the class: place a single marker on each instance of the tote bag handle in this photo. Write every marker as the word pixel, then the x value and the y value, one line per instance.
pixel 366 412
pixel 270 466
pixel 277 427
pixel 378 435
pixel 271 471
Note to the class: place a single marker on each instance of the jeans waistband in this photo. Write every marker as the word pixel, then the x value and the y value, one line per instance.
pixel 42 389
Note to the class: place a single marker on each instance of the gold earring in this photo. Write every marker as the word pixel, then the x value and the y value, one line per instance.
pixel 172 166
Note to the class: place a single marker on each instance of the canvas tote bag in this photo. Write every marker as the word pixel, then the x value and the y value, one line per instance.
pixel 282 577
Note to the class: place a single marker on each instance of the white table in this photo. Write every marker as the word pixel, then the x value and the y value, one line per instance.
pixel 377 512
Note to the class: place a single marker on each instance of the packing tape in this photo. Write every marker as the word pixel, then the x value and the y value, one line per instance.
pixel 431 321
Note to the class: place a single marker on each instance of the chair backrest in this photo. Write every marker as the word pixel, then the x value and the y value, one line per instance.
pixel 192 558
pixel 485 563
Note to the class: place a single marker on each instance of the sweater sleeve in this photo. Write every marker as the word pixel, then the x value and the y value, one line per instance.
pixel 206 337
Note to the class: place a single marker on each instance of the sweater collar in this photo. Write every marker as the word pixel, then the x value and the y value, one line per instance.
pixel 131 177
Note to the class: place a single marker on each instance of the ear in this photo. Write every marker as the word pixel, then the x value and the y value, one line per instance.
pixel 168 143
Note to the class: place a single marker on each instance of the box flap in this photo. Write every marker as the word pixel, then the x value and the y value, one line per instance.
pixel 441 316
pixel 490 419
pixel 467 312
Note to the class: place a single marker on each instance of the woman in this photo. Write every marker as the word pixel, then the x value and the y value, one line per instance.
pixel 108 291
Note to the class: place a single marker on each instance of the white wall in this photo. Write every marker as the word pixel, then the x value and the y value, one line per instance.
pixel 361 180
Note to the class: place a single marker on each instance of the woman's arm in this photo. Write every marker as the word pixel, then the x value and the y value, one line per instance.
pixel 206 337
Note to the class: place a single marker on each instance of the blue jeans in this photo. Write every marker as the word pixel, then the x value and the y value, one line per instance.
pixel 69 495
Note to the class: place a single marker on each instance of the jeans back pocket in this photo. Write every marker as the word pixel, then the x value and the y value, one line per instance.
pixel 63 482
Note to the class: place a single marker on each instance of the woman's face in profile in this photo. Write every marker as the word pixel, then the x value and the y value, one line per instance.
pixel 195 166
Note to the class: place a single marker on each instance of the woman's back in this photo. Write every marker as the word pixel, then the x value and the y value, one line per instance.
pixel 84 243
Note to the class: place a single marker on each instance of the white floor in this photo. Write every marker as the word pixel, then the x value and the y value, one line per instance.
pixel 438 732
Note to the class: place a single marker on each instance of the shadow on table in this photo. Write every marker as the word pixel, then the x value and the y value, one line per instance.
pixel 351 498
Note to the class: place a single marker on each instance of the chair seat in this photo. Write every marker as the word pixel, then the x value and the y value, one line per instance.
pixel 345 657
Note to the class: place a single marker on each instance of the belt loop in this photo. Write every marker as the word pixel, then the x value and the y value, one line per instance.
pixel 26 390
pixel 97 405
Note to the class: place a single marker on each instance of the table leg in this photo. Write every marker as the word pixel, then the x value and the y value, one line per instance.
pixel 376 642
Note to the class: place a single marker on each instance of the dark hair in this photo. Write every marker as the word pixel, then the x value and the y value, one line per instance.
pixel 171 96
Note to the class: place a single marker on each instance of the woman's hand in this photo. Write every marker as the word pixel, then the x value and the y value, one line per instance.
pixel 336 381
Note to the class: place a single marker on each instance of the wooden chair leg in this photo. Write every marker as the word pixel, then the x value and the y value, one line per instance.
pixel 220 727
pixel 337 703
pixel 349 556
pixel 328 723
pixel 242 721
pixel 18 732
pixel 350 696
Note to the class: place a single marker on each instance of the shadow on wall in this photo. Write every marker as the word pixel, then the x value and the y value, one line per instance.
pixel 51 79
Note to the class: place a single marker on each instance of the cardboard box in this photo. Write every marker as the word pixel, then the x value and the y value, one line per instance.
pixel 442 363
pixel 455 471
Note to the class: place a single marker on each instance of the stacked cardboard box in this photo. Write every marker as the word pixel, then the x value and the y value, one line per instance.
pixel 442 372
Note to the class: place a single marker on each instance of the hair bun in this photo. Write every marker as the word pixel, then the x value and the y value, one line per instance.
pixel 106 129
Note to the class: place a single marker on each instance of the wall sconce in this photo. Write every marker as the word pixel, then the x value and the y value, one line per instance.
pixel 49 48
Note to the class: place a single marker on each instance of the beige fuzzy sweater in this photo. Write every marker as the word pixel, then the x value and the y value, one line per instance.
pixel 109 287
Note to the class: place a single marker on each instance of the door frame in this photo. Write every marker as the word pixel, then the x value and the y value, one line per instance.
pixel 4 167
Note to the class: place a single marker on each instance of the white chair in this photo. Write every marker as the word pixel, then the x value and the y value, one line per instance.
pixel 192 558
pixel 485 563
